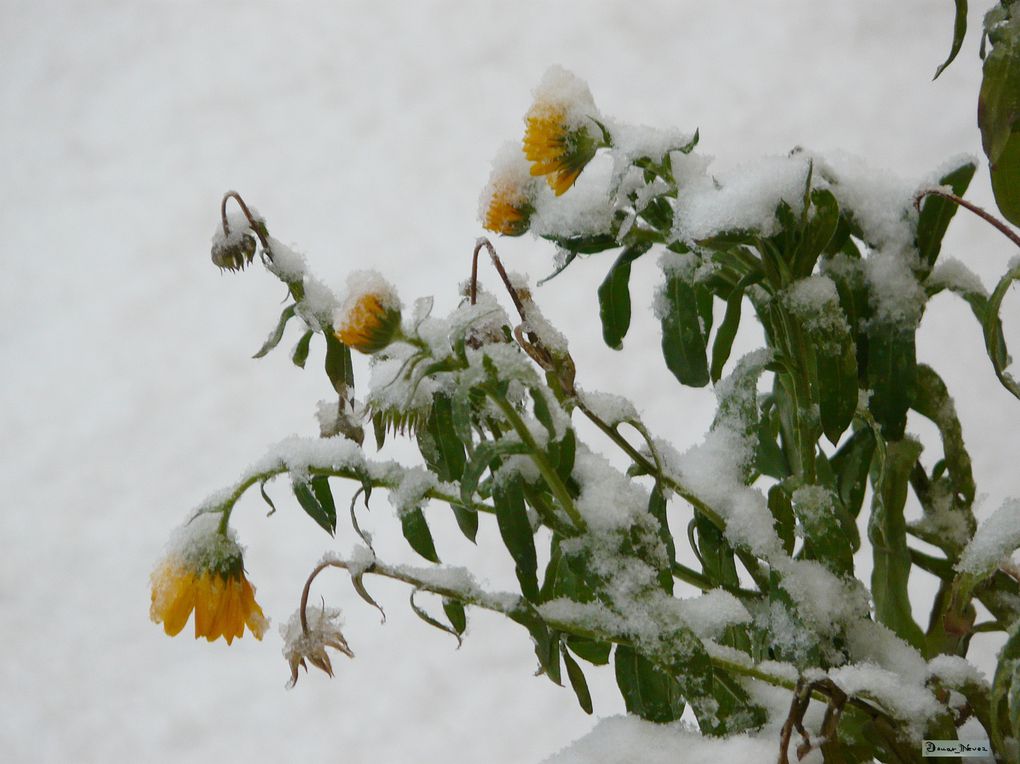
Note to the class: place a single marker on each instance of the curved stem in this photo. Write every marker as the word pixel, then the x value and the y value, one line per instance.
pixel 556 485
pixel 483 242
pixel 984 215
pixel 308 585
pixel 227 505
pixel 257 224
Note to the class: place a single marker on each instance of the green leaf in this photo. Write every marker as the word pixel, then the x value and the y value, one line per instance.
pixel 959 32
pixel 614 297
pixel 418 535
pixel 338 364
pixel 892 375
pixel 316 500
pixel 937 212
pixel 727 332
pixel 769 457
pixel 852 464
pixel 265 497
pixel 444 454
pixel 455 612
pixel 782 516
pixel 483 459
pixel 277 334
pixel 547 643
pixel 999 115
pixel 647 690
pixel 300 354
pixel 934 402
pixel 418 611
pixel 995 342
pixel 577 681
pixel 715 553
pixel 683 341
pixel 1003 704
pixel 595 652
pixel 887 530
pixel 825 539
pixel 585 245
pixel 515 529
pixel 817 233
pixel 657 509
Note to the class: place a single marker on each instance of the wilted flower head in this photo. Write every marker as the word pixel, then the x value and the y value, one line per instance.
pixel 234 251
pixel 204 572
pixel 369 319
pixel 561 135
pixel 323 631
pixel 506 202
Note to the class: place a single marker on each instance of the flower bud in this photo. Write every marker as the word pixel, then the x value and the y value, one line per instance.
pixel 369 319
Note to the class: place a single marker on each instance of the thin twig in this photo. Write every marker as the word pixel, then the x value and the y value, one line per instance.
pixel 1004 229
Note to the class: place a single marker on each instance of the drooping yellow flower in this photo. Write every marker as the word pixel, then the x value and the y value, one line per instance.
pixel 559 135
pixel 507 213
pixel 506 202
pixel 370 318
pixel 208 578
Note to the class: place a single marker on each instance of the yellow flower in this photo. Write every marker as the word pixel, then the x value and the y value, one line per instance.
pixel 207 578
pixel 507 212
pixel 559 137
pixel 370 318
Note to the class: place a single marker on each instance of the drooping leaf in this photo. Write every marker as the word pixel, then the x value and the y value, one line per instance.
pixel 515 530
pixel 422 614
pixel 647 690
pixel 416 531
pixel 578 682
pixel 937 212
pixel 887 531
pixel 657 508
pixel 999 110
pixel 683 339
pixel 726 333
pixel 852 463
pixel 595 652
pixel 614 297
pixel 277 334
pixel 300 354
pixel 959 32
pixel 892 375
pixel 310 494
pixel 995 343
pixel 339 367
pixel 455 612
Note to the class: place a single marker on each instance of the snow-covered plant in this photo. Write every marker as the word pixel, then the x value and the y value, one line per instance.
pixel 838 264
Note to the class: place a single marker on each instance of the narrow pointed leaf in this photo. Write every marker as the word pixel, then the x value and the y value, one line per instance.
pixel 277 334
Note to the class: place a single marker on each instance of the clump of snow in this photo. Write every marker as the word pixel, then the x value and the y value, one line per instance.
pixel 510 180
pixel 626 739
pixel 896 296
pixel 711 613
pixel 950 273
pixel 586 211
pixel 993 541
pixel 910 702
pixel 744 199
pixel 363 283
pixel 881 203
pixel 815 302
pixel 608 499
pixel 413 490
pixel 562 92
pixel 611 409
pixel 872 642
pixel 954 671
pixel 199 545
pixel 825 601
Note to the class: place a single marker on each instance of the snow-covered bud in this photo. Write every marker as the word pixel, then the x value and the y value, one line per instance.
pixel 369 319
pixel 300 645
pixel 204 572
pixel 561 134
pixel 234 252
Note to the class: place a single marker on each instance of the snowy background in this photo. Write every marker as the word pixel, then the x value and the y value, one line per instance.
pixel 363 132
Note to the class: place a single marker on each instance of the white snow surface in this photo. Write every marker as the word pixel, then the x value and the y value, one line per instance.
pixel 364 133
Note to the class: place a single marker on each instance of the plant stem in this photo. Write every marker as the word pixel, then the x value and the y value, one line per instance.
pixel 559 490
